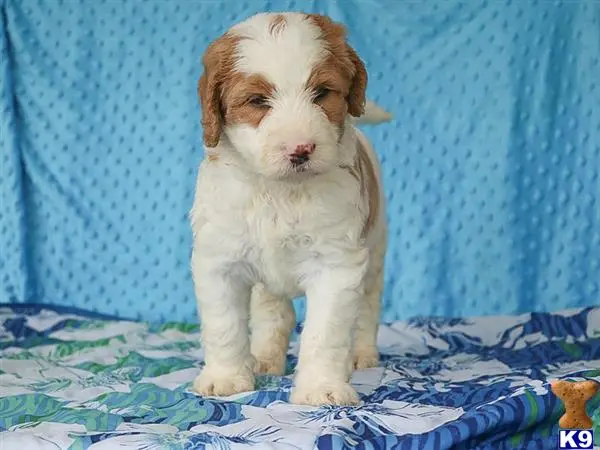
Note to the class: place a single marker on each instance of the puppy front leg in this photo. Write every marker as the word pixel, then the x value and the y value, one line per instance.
pixel 325 366
pixel 223 302
pixel 272 320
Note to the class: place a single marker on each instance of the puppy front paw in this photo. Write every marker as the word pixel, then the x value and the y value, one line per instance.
pixel 223 383
pixel 365 358
pixel 335 393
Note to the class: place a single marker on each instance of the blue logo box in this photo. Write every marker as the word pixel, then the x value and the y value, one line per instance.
pixel 575 439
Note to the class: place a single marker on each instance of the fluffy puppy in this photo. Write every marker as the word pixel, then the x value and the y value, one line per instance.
pixel 288 202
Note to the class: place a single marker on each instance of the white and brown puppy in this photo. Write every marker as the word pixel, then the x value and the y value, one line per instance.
pixel 287 202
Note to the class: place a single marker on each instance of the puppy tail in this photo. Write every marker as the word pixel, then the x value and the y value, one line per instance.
pixel 373 115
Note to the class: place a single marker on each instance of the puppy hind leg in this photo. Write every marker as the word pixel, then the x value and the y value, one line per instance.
pixel 272 320
pixel 365 352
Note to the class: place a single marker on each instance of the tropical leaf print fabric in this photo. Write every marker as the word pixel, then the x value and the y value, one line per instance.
pixel 72 380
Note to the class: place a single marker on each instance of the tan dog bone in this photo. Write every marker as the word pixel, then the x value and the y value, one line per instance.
pixel 575 395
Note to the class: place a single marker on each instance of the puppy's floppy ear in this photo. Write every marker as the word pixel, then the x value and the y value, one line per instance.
pixel 358 88
pixel 212 118
pixel 218 64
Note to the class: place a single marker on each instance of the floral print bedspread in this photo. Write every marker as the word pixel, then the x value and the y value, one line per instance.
pixel 69 379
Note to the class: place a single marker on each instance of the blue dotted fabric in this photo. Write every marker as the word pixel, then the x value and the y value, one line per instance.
pixel 491 166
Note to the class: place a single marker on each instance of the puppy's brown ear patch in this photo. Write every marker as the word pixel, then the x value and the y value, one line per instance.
pixel 218 64
pixel 358 89
pixel 346 59
pixel 211 111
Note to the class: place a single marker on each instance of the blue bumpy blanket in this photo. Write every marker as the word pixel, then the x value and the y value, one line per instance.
pixel 491 166
pixel 73 381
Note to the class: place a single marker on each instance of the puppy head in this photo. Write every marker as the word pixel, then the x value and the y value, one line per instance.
pixel 279 88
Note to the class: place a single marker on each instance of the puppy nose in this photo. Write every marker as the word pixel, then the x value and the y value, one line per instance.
pixel 304 149
pixel 301 153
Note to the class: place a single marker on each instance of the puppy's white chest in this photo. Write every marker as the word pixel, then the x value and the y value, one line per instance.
pixel 280 239
pixel 274 232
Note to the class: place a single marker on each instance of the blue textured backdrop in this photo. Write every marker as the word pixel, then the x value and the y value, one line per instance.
pixel 491 166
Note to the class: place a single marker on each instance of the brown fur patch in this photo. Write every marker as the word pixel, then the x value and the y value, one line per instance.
pixel 327 75
pixel 342 62
pixel 364 172
pixel 237 93
pixel 277 24
pixel 370 186
pixel 225 93
pixel 218 61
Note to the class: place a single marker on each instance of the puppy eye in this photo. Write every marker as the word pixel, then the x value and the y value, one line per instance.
pixel 259 101
pixel 321 93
